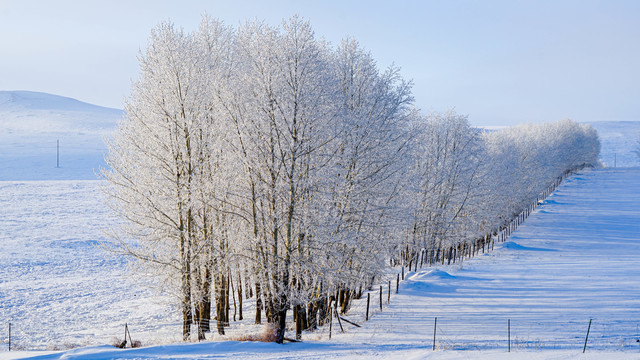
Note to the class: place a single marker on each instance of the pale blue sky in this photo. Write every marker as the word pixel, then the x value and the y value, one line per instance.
pixel 500 62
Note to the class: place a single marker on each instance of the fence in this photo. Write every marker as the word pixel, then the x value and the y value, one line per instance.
pixel 450 333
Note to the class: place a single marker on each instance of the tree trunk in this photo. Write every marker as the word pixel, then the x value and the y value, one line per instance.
pixel 187 316
pixel 322 310
pixel 298 311
pixel 282 325
pixel 345 304
pixel 220 303
pixel 312 310
pixel 258 304
pixel 239 298
pixel 233 295
pixel 205 311
pixel 199 321
pixel 227 303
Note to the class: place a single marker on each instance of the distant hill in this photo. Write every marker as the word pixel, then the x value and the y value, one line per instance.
pixel 618 139
pixel 31 123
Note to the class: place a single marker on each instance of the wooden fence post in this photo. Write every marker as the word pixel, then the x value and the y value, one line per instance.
pixel 435 323
pixel 380 297
pixel 338 317
pixel 509 333
pixel 397 283
pixel 586 338
pixel 368 300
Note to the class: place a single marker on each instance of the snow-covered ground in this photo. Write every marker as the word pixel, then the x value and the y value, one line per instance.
pixel 58 286
pixel 573 260
pixel 619 139
pixel 31 124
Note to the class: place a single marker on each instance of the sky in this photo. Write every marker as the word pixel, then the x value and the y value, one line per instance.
pixel 499 62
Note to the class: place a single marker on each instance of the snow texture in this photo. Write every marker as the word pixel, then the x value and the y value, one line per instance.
pixel 574 259
pixel 31 123
pixel 619 139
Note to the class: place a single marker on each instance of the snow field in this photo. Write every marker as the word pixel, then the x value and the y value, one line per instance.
pixel 574 259
pixel 58 286
pixel 619 139
pixel 31 123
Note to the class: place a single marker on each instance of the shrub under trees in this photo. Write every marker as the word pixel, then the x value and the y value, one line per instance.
pixel 262 162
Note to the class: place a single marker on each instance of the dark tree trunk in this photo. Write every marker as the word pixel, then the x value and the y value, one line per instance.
pixel 322 310
pixel 227 303
pixel 220 303
pixel 186 319
pixel 239 298
pixel 345 304
pixel 187 316
pixel 281 325
pixel 312 310
pixel 299 311
pixel 258 304
pixel 205 311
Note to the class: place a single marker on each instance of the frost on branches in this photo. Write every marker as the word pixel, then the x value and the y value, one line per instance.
pixel 264 161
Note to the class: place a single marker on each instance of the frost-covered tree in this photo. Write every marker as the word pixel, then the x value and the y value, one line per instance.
pixel 290 131
pixel 153 159
pixel 526 159
pixel 447 154
pixel 365 174
pixel 262 162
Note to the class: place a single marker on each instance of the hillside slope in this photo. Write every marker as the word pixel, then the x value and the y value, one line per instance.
pixel 619 139
pixel 32 123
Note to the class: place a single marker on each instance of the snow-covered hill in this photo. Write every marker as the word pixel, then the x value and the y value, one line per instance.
pixel 32 123
pixel 619 139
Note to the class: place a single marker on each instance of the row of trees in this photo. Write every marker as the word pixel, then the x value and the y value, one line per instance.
pixel 263 162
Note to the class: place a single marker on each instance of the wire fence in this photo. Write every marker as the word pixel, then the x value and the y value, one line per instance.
pixel 439 333
pixel 504 330
pixel 546 334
